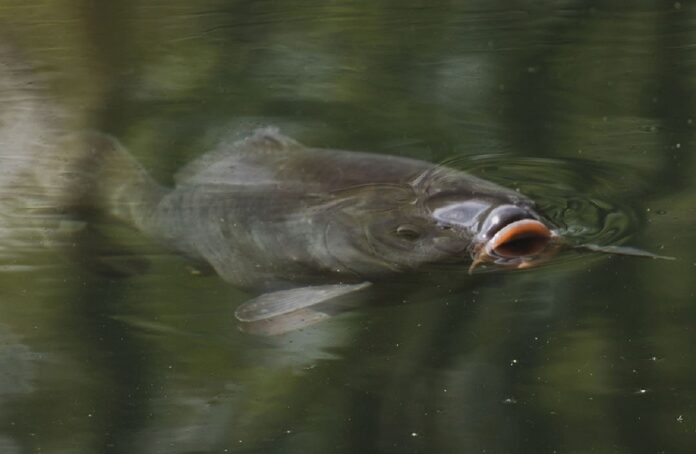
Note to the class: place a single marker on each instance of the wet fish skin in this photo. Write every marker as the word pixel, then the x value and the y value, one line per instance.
pixel 266 212
pixel 305 226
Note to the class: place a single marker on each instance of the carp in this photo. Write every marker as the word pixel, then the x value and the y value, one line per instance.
pixel 308 225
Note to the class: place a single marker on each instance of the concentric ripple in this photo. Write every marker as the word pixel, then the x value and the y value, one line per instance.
pixel 587 202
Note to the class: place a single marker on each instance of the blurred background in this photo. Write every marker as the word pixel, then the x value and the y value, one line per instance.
pixel 109 344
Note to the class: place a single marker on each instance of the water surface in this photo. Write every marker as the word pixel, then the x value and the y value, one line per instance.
pixel 108 342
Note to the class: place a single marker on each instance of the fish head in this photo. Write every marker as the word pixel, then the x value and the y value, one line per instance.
pixel 449 217
pixel 475 230
pixel 501 228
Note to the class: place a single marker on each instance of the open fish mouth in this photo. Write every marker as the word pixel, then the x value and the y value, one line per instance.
pixel 519 244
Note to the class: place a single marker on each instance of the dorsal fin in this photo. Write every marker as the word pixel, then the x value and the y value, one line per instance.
pixel 261 141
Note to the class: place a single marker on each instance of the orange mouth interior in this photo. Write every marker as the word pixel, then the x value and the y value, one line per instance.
pixel 523 238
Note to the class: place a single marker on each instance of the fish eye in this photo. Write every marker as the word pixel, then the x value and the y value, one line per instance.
pixel 408 232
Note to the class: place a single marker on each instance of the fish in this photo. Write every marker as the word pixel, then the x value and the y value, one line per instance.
pixel 303 226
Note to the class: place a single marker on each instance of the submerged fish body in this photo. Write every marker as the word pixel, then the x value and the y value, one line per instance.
pixel 267 211
pixel 271 214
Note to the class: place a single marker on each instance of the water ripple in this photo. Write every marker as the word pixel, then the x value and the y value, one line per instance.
pixel 588 202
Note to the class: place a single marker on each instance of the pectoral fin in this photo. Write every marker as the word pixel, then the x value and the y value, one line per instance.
pixel 282 302
pixel 286 323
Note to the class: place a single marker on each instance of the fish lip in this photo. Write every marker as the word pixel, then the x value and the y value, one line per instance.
pixel 493 250
pixel 518 230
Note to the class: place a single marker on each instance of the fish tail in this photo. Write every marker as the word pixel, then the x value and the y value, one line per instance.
pixel 48 170
pixel 113 182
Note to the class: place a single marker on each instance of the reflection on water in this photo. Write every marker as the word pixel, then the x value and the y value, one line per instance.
pixel 108 342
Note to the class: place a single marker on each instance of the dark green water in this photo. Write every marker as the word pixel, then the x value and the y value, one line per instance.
pixel 589 107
